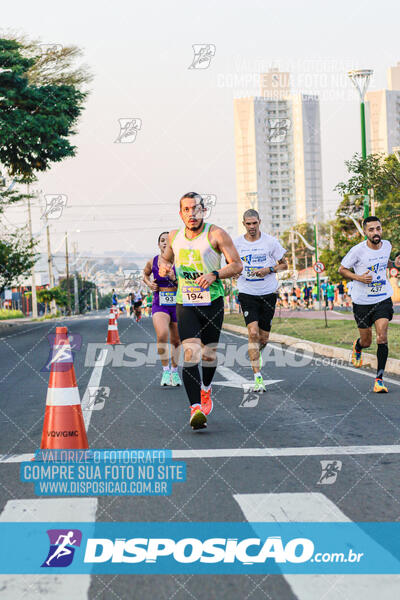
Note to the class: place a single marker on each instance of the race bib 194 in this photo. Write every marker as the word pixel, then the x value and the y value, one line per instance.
pixel 167 298
pixel 194 295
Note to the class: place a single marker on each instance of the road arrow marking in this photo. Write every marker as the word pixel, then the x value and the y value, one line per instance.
pixel 237 381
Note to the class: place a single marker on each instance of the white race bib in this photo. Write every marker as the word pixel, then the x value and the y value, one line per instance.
pixel 194 295
pixel 376 288
pixel 250 273
pixel 167 298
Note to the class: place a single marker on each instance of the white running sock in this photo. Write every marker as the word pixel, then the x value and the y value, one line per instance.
pixel 166 368
pixel 174 369
pixel 204 388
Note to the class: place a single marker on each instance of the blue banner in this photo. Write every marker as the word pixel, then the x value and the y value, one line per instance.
pixel 212 548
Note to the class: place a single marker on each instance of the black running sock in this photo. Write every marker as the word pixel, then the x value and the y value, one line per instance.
pixel 358 345
pixel 192 383
pixel 208 374
pixel 382 355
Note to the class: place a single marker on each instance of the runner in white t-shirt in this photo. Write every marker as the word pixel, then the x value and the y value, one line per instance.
pixel 262 256
pixel 371 293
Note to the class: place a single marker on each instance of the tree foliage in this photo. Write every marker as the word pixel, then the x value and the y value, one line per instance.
pixel 36 119
pixel 17 257
pixel 382 175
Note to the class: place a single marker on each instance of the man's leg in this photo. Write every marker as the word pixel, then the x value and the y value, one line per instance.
pixel 189 332
pixel 212 318
pixel 254 345
pixel 381 328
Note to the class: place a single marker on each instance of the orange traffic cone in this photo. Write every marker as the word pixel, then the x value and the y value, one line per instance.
pixel 112 333
pixel 63 426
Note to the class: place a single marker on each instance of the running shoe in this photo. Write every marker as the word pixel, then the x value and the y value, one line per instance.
pixel 175 379
pixel 166 378
pixel 198 419
pixel 259 385
pixel 379 386
pixel 206 401
pixel 356 357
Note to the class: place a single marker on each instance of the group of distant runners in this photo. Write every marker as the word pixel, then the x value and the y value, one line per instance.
pixel 185 279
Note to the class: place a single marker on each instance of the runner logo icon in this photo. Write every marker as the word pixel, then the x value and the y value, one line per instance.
pixel 62 547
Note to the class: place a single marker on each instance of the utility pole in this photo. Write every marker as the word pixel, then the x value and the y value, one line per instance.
pixel 97 299
pixel 316 260
pixel 76 292
pixel 50 265
pixel 67 271
pixel 34 299
pixel 293 251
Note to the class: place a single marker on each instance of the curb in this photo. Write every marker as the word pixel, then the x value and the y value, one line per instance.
pixel 23 321
pixel 369 360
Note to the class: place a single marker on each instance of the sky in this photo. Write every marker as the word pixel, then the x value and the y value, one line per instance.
pixel 121 195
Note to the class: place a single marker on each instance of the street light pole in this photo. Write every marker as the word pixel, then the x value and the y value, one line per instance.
pixel 360 79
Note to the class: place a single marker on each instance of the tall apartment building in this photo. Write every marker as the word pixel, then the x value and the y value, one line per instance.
pixel 382 112
pixel 278 154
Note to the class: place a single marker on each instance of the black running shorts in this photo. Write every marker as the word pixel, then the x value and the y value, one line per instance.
pixel 366 314
pixel 258 308
pixel 203 322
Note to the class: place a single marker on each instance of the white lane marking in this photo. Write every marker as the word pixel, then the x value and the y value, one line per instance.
pixel 252 452
pixel 316 507
pixel 272 452
pixel 238 381
pixel 94 381
pixel 56 510
pixel 337 366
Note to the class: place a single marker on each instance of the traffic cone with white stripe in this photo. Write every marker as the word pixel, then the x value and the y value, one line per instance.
pixel 116 312
pixel 63 426
pixel 112 333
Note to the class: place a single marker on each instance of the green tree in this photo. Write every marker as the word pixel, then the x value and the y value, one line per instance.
pixel 37 120
pixel 17 257
pixel 382 175
pixel 40 103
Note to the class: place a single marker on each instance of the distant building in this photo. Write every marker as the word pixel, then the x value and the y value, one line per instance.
pixel 382 112
pixel 278 154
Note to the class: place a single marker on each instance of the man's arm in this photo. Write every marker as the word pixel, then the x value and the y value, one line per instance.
pixel 394 263
pixel 347 274
pixel 281 265
pixel 223 242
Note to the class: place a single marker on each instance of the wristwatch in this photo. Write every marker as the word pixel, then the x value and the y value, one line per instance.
pixel 216 275
pixel 271 270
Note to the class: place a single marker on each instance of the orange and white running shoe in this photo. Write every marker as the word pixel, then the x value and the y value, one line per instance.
pixel 206 401
pixel 356 357
pixel 379 386
pixel 198 419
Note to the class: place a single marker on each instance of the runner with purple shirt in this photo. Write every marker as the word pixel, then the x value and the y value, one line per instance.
pixel 164 315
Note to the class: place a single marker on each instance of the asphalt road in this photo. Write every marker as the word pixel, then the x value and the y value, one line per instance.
pixel 307 405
